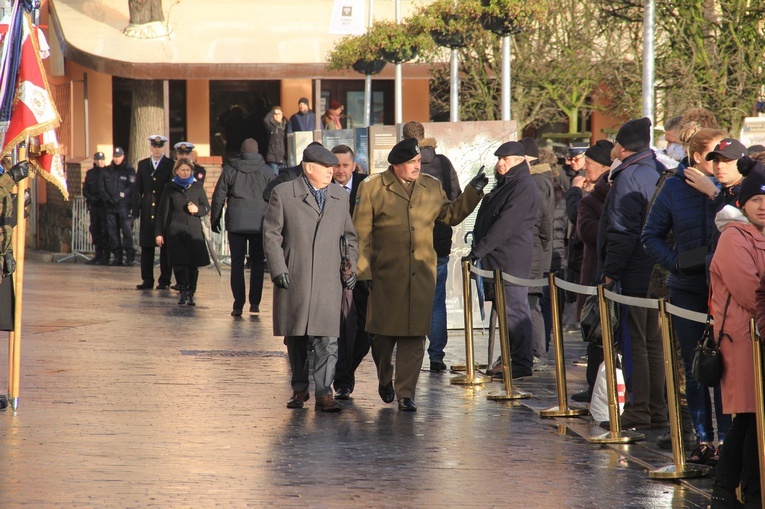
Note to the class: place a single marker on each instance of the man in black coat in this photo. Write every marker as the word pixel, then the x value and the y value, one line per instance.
pixel 504 239
pixel 116 190
pixel 240 188
pixel 439 166
pixel 351 348
pixel 97 211
pixel 154 173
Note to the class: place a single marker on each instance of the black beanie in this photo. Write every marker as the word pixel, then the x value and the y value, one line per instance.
pixel 754 179
pixel 600 152
pixel 635 135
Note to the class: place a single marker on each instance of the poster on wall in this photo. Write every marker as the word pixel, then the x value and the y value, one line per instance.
pixel 753 131
pixel 331 139
pixel 382 139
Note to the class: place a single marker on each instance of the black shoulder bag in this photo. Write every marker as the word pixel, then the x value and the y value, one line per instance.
pixel 707 362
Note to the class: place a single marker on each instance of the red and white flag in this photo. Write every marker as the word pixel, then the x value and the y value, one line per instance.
pixel 34 117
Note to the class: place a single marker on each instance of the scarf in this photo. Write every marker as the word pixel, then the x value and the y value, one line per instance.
pixel 184 183
pixel 319 194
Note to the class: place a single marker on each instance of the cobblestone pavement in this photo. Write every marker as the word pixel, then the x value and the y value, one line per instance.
pixel 128 400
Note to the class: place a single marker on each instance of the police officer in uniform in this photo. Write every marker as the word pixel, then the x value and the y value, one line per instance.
pixel 154 173
pixel 97 211
pixel 185 149
pixel 394 217
pixel 116 189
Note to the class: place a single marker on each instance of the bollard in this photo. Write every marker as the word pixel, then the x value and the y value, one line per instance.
pixel 680 469
pixel 504 344
pixel 470 377
pixel 562 410
pixel 759 393
pixel 616 435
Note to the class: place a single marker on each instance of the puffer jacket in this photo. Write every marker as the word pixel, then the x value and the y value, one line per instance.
pixel 621 256
pixel 240 188
pixel 690 216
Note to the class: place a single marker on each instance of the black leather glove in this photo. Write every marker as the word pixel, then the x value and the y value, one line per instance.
pixel 19 171
pixel 9 263
pixel 479 182
pixel 470 257
pixel 215 226
pixel 350 282
pixel 282 281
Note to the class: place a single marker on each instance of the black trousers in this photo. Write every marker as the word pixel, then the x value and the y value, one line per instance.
pixel 738 459
pixel 352 350
pixel 120 222
pixel 239 245
pixel 147 266
pixel 186 276
pixel 98 230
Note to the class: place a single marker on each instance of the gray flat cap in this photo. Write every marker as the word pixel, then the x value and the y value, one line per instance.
pixel 319 155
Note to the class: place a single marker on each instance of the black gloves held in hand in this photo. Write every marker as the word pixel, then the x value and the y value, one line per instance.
pixel 19 171
pixel 9 263
pixel 470 257
pixel 215 226
pixel 350 282
pixel 282 281
pixel 479 182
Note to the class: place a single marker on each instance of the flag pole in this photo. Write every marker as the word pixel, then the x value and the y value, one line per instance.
pixel 18 281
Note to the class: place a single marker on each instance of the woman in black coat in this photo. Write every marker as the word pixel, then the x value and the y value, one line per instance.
pixel 183 203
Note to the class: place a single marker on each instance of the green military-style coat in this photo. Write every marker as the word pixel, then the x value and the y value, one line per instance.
pixel 396 248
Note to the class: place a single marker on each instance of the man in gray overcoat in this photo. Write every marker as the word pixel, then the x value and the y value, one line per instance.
pixel 305 221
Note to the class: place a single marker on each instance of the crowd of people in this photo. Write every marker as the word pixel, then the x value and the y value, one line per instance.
pixel 360 262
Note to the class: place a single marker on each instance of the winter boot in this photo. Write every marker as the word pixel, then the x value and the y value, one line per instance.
pixel 190 299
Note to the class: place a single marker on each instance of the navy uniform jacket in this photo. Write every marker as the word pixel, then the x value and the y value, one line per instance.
pixel 116 187
pixel 147 193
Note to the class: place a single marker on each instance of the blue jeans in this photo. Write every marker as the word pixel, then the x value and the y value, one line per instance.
pixel 276 167
pixel 688 334
pixel 438 334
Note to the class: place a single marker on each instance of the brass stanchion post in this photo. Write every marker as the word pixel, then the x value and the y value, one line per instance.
pixel 680 469
pixel 562 410
pixel 759 393
pixel 470 377
pixel 616 435
pixel 504 344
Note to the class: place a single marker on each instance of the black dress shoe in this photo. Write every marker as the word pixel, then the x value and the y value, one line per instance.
pixel 582 396
pixel 144 286
pixel 3 402
pixel 386 393
pixel 298 399
pixel 690 440
pixel 162 286
pixel 175 287
pixel 343 394
pixel 236 312
pixel 437 366
pixel 407 405
pixel 254 309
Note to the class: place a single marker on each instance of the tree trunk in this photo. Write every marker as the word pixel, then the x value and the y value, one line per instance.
pixel 145 11
pixel 147 118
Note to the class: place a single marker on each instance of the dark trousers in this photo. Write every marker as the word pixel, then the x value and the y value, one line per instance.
pixel 238 247
pixel 120 222
pixel 687 335
pixel 738 459
pixel 351 350
pixel 98 231
pixel 186 276
pixel 147 266
pixel 519 329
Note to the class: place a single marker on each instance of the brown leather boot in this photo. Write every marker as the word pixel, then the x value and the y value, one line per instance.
pixel 328 404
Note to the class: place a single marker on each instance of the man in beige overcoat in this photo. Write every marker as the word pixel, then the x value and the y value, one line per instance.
pixel 304 222
pixel 394 218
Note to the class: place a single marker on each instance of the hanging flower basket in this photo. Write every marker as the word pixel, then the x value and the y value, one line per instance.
pixel 449 40
pixel 369 66
pixel 400 55
pixel 499 25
